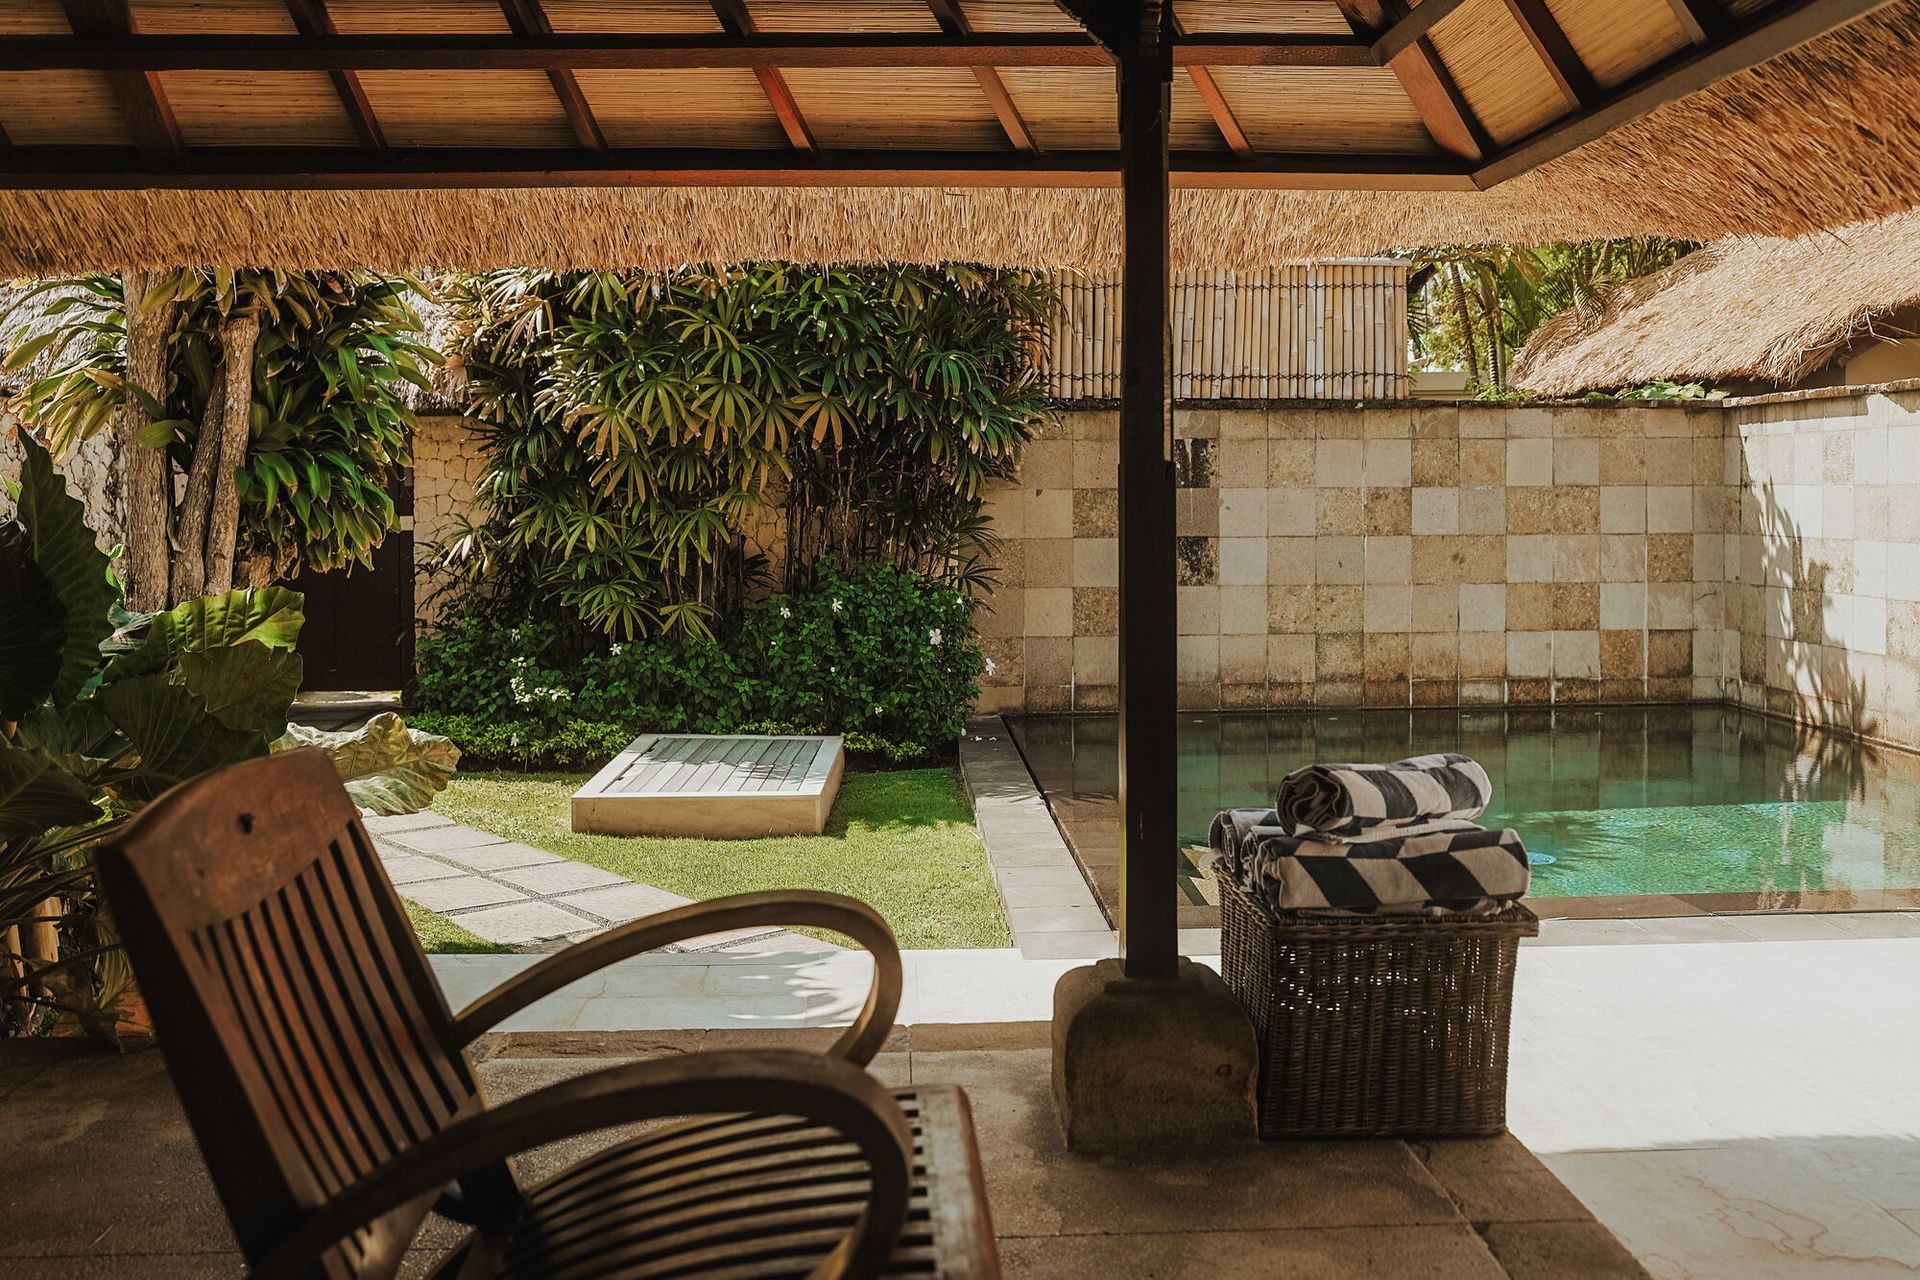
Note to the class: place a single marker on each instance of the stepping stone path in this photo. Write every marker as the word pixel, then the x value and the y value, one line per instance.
pixel 530 899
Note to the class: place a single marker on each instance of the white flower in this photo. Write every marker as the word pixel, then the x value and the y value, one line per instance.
pixel 933 636
pixel 785 612
pixel 836 604
pixel 833 671
pixel 991 667
pixel 617 647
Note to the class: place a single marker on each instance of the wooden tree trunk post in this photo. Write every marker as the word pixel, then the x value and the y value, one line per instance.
pixel 196 504
pixel 148 501
pixel 237 338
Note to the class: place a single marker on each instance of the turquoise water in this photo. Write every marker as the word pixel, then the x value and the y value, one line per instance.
pixel 1633 800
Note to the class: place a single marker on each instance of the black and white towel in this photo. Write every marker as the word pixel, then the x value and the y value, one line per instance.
pixel 1350 800
pixel 1449 865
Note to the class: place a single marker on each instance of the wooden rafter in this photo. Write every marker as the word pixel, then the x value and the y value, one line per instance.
pixel 1543 32
pixel 1703 20
pixel 1216 102
pixel 1763 36
pixel 1411 28
pixel 310 18
pixel 736 21
pixel 1424 77
pixel 142 100
pixel 954 22
pixel 615 52
pixel 528 19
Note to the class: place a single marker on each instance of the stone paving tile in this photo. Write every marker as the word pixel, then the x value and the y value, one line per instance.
pixel 460 893
pixel 385 824
pixel 410 868
pixel 498 857
pixel 559 876
pixel 624 902
pixel 1037 919
pixel 443 839
pixel 519 923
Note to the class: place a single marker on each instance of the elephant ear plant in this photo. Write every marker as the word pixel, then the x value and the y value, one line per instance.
pixel 101 710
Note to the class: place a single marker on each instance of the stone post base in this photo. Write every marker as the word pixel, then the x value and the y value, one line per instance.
pixel 1151 1064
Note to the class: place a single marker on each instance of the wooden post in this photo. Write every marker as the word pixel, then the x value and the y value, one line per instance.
pixel 1149 760
pixel 149 502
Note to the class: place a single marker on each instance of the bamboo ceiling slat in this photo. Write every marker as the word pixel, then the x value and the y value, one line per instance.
pixel 236 18
pixel 1293 17
pixel 1193 128
pixel 237 109
pixel 833 16
pixel 919 108
pixel 1285 109
pixel 33 18
pixel 1068 108
pixel 60 108
pixel 1503 80
pixel 1616 39
pixel 424 17
pixel 723 107
pixel 1005 17
pixel 679 17
pixel 467 108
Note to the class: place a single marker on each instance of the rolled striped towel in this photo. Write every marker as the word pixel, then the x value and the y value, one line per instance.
pixel 1234 832
pixel 1446 865
pixel 1349 800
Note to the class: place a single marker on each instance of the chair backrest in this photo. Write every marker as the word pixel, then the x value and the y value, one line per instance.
pixel 304 1032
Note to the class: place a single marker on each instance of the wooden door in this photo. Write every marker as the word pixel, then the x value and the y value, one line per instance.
pixel 359 628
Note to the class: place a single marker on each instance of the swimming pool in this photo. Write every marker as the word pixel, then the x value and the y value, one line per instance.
pixel 1621 801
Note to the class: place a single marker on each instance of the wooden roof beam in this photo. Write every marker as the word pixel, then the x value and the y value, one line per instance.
pixel 1410 28
pixel 528 20
pixel 1703 20
pixel 1543 32
pixel 736 21
pixel 1215 101
pixel 142 101
pixel 310 18
pixel 1764 35
pixel 953 21
pixel 622 52
pixel 1422 74
pixel 337 168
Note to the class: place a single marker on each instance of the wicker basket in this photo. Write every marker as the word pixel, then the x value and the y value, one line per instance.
pixel 1375 1027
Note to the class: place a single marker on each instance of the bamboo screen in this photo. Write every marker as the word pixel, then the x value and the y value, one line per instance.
pixel 1313 331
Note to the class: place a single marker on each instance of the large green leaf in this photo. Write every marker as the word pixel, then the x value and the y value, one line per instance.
pixel 37 794
pixel 33 627
pixel 386 766
pixel 77 729
pixel 246 686
pixel 265 615
pixel 173 732
pixel 64 550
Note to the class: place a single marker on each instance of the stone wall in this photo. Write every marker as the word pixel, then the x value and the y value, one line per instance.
pixel 445 466
pixel 1390 555
pixel 91 473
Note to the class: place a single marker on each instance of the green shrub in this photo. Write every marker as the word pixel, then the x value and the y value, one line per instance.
pixel 886 657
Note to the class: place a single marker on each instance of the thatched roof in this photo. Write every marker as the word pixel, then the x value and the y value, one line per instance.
pixel 1827 131
pixel 1748 308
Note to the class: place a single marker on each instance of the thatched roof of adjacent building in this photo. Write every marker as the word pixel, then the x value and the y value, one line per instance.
pixel 1748 308
pixel 644 133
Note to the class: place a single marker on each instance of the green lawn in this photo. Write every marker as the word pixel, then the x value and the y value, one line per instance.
pixel 903 841
pixel 441 936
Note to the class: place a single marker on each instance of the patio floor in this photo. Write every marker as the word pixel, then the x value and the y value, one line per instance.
pixel 1391 1209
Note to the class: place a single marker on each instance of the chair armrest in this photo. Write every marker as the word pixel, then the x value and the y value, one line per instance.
pixel 844 915
pixel 765 1081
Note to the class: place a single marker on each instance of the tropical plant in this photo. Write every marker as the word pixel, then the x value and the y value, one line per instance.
pixel 101 709
pixel 1472 306
pixel 639 426
pixel 278 411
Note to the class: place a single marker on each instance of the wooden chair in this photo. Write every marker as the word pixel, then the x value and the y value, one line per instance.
pixel 328 1085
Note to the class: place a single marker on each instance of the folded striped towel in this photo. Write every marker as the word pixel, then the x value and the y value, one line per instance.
pixel 1349 800
pixel 1445 865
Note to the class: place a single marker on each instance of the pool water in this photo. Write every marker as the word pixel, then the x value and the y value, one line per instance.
pixel 1613 801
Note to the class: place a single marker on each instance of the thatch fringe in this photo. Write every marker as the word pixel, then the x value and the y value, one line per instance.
pixel 1825 134
pixel 1750 308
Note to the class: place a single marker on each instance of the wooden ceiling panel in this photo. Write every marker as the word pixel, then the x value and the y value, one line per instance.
pixel 1505 83
pixel 423 17
pixel 683 17
pixel 833 16
pixel 467 108
pixel 1008 16
pixel 1068 108
pixel 1260 17
pixel 191 17
pixel 713 108
pixel 33 18
pixel 922 108
pixel 1617 40
pixel 241 109
pixel 60 108
pixel 1284 109
pixel 1193 127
